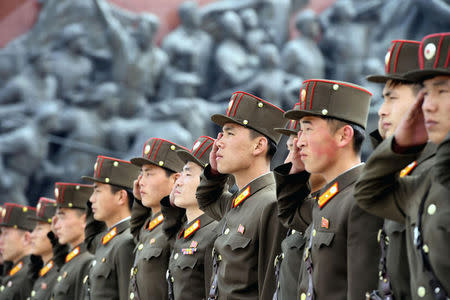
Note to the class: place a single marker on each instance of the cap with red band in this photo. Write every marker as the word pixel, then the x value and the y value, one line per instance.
pixel 18 216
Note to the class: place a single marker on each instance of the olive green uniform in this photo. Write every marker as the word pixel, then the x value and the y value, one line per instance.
pixel 110 272
pixel 382 192
pixel 18 282
pixel 152 252
pixel 249 238
pixel 341 245
pixel 190 264
pixel 71 278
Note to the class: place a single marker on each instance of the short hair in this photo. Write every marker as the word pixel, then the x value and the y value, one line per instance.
pixel 415 86
pixel 130 197
pixel 358 132
pixel 169 172
pixel 79 211
pixel 272 147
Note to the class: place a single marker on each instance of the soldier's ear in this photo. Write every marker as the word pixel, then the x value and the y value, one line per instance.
pixel 27 238
pixel 344 136
pixel 261 146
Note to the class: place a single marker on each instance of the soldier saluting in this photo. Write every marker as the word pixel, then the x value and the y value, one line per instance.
pixel 250 233
pixel 341 252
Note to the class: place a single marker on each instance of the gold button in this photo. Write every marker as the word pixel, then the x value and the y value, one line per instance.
pixel 431 209
pixel 107 180
pixel 293 231
pixel 77 187
pixel 171 279
pixel 425 248
pixel 245 122
pixel 85 279
pixel 131 295
pixel 303 296
pixel 135 270
pixel 2 288
pixel 172 147
pixel 116 163
pixel 335 87
pixel 70 204
pixel 421 291
pixel 59 278
pixel 140 247
pixel 103 259
pixel 260 104
pixel 175 256
pixel 227 231
pixel 219 257
pixel 309 294
pixel 161 163
pixel 324 112
pixel 25 209
pixel 314 232
pixel 33 293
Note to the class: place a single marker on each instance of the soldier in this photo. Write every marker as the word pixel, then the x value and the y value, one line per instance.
pixel 288 263
pixel 420 202
pixel 16 248
pixel 250 234
pixel 341 238
pixel 42 240
pixel 399 94
pixel 109 275
pixel 160 167
pixel 70 221
pixel 191 259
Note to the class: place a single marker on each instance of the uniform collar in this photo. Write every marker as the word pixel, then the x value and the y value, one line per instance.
pixel 427 152
pixel 330 190
pixel 122 225
pixel 190 228
pixel 156 220
pixel 252 187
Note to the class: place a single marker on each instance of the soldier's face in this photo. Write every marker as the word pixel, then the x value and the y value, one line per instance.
pixel 397 100
pixel 186 186
pixel 13 243
pixel 436 107
pixel 70 226
pixel 103 201
pixel 235 149
pixel 40 244
pixel 155 184
pixel 317 145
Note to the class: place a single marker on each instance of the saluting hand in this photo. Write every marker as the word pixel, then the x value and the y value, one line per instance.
pixel 294 158
pixel 213 155
pixel 136 188
pixel 411 131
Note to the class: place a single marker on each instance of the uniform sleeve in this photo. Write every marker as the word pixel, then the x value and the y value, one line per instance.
pixel 380 190
pixel 124 262
pixel 363 252
pixel 442 162
pixel 271 235
pixel 212 194
pixel 294 205
pixel 139 213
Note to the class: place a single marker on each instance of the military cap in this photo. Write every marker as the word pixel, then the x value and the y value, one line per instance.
pixel 400 59
pixel 45 210
pixel 333 99
pixel 252 112
pixel 292 127
pixel 161 153
pixel 17 216
pixel 434 57
pixel 114 171
pixel 200 151
pixel 72 195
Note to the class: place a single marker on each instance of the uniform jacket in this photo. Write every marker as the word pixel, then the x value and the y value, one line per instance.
pixel 109 274
pixel 73 274
pixel 17 282
pixel 382 192
pixel 190 262
pixel 249 238
pixel 396 261
pixel 344 249
pixel 152 252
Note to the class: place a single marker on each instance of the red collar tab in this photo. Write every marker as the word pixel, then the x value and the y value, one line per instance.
pixel 155 222
pixel 74 253
pixel 193 228
pixel 109 236
pixel 408 169
pixel 239 199
pixel 328 195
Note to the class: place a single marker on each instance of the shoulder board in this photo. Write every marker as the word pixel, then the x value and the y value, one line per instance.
pixel 16 268
pixel 193 228
pixel 46 268
pixel 408 169
pixel 72 254
pixel 328 195
pixel 244 195
pixel 109 236
pixel 155 222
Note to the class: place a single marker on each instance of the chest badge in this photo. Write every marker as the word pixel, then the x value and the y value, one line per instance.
pixel 241 229
pixel 325 223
